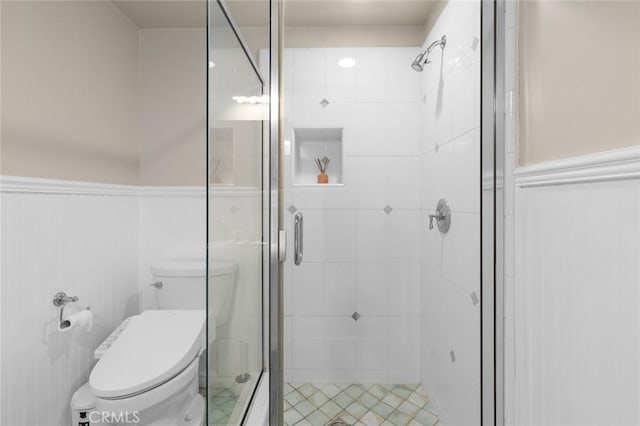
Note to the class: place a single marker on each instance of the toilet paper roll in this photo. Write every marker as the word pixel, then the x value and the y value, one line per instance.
pixel 79 319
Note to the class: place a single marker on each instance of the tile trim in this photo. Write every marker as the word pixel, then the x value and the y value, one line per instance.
pixel 620 164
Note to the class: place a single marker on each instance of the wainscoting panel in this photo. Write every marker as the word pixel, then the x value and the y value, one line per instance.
pixel 85 244
pixel 577 296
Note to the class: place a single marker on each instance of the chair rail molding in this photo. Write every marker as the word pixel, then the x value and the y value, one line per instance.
pixel 619 164
pixel 20 184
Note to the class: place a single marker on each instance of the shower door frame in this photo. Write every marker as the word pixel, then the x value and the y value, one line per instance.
pixel 492 215
pixel 492 212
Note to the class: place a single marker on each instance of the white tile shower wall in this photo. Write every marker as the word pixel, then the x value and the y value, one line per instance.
pixel 450 263
pixel 357 256
pixel 577 304
pixel 85 245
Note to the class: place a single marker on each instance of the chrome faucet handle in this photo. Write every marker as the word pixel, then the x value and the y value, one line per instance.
pixel 436 216
pixel 442 216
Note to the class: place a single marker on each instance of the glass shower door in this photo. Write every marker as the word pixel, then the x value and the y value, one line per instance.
pixel 236 231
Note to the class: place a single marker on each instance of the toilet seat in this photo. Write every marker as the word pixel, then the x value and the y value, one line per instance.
pixel 155 347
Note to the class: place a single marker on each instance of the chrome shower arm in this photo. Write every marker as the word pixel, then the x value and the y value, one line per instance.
pixel 442 43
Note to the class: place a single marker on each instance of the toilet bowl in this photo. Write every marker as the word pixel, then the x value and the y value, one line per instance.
pixel 149 375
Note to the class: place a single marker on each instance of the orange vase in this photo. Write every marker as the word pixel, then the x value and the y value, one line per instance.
pixel 323 178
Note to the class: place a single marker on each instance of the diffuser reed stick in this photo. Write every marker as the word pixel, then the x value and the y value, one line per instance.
pixel 322 164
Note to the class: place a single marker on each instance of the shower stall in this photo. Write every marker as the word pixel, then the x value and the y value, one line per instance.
pixel 379 214
pixel 319 182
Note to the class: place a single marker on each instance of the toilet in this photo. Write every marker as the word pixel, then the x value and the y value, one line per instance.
pixel 150 374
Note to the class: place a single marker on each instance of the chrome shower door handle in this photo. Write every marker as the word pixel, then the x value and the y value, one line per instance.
pixel 298 231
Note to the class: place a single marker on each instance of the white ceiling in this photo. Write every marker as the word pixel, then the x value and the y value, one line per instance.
pixel 298 13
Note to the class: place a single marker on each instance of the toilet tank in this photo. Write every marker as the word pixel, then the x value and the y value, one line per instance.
pixel 184 286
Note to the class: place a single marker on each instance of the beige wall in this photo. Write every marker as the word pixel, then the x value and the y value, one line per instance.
pixel 172 106
pixel 579 78
pixel 69 91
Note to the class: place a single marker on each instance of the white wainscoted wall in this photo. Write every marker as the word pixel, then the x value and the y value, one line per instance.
pixel 61 236
pixel 98 242
pixel 357 256
pixel 450 263
pixel 577 291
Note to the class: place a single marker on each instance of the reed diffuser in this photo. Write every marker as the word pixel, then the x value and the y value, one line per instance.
pixel 322 164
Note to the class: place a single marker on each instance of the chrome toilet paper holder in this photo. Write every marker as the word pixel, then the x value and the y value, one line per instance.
pixel 60 300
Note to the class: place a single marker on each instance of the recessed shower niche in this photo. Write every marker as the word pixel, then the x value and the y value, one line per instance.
pixel 311 145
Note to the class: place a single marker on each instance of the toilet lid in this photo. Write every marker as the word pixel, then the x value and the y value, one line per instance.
pixel 155 346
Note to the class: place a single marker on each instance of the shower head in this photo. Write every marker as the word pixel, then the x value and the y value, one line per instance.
pixel 423 57
pixel 418 62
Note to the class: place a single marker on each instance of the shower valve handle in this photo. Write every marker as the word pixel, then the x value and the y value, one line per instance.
pixel 442 216
pixel 437 216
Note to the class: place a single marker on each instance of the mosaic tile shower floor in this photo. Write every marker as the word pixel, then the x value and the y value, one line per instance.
pixel 222 402
pixel 306 404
